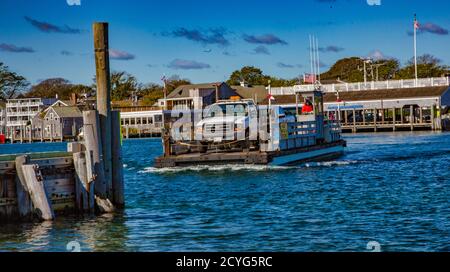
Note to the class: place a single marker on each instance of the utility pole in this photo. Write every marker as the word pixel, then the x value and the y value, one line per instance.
pixel 366 61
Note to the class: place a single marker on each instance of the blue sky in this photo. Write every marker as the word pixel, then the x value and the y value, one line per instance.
pixel 206 40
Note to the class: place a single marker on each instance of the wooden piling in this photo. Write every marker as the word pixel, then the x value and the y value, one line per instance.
pixel 38 195
pixel 354 121
pixel 101 46
pixel 23 195
pixel 92 134
pixel 117 162
pixel 91 177
pixel 394 119
pixel 81 182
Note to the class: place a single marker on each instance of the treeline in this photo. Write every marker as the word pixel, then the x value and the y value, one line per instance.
pixel 255 76
pixel 352 69
pixel 126 88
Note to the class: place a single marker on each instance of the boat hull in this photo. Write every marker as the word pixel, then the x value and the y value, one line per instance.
pixel 314 155
pixel 277 158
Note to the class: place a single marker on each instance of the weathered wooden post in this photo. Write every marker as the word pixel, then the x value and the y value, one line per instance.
pixel 23 196
pixel 35 183
pixel 433 116
pixel 394 119
pixel 117 162
pixel 375 115
pixel 81 182
pixel 92 136
pixel 354 121
pixel 101 47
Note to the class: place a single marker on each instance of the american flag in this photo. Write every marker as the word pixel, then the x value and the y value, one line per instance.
pixel 270 97
pixel 416 23
pixel 309 78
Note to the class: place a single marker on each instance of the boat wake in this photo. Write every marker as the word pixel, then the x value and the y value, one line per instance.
pixel 330 163
pixel 240 168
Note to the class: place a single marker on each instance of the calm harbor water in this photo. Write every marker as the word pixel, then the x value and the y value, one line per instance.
pixel 389 188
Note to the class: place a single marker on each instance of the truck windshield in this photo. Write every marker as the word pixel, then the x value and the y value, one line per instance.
pixel 228 110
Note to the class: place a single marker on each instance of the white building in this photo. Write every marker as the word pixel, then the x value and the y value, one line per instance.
pixel 141 122
pixel 19 113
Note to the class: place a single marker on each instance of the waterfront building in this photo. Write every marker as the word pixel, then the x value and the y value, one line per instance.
pixel 384 109
pixel 256 92
pixel 62 122
pixel 19 113
pixel 197 96
pixel 141 122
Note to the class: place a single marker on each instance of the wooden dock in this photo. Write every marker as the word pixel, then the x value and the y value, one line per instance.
pixel 88 178
pixel 397 119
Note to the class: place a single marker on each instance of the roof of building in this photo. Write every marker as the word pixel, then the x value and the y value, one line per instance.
pixel 183 90
pixel 371 95
pixel 257 92
pixel 68 111
pixel 49 101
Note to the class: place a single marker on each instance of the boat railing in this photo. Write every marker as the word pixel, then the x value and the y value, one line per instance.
pixel 297 134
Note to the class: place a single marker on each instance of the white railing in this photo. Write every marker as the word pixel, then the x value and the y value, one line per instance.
pixel 25 104
pixel 16 123
pixel 22 113
pixel 361 86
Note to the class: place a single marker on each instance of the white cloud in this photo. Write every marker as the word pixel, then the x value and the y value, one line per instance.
pixel 73 2
pixel 376 55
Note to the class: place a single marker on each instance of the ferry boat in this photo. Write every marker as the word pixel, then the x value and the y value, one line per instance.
pixel 237 131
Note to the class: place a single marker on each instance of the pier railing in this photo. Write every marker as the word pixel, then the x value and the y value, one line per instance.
pixel 361 86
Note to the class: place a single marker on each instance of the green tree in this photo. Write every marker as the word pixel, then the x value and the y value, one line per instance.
pixel 387 69
pixel 250 75
pixel 280 82
pixel 352 70
pixel 427 66
pixel 11 84
pixel 123 86
pixel 151 93
pixel 51 87
pixel 347 69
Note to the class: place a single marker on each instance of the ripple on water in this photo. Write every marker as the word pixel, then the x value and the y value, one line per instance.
pixel 389 188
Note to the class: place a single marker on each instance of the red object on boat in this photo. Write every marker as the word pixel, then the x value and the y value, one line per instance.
pixel 307 108
pixel 2 138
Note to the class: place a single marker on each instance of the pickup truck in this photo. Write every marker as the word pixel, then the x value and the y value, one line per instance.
pixel 227 125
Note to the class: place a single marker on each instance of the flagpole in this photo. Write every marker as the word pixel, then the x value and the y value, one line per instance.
pixel 415 47
pixel 318 59
pixel 310 55
pixel 314 58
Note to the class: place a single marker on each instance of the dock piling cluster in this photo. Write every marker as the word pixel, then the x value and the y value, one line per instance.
pixel 86 179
